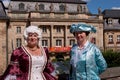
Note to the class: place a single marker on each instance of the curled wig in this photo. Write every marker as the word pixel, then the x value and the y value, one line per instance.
pixel 33 29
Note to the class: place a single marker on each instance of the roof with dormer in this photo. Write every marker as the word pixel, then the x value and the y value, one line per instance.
pixel 2 11
pixel 111 13
pixel 114 14
pixel 56 1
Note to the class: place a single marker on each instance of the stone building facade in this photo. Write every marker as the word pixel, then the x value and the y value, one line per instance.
pixel 3 36
pixel 111 29
pixel 54 17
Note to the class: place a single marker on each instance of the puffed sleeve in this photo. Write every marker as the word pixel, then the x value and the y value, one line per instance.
pixel 101 63
pixel 13 67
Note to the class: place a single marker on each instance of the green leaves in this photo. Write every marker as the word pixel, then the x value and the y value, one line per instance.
pixel 112 58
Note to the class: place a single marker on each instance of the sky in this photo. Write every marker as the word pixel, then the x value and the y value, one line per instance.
pixel 93 5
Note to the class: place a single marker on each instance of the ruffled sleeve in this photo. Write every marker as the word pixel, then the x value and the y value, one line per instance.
pixel 13 67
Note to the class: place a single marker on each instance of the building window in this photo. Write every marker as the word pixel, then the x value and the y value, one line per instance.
pixel 41 7
pixel 62 7
pixel 84 9
pixel 118 38
pixel 44 43
pixel 58 29
pixel 18 42
pixel 18 29
pixel 21 6
pixel 109 21
pixel 58 42
pixel 72 42
pixel 93 40
pixel 110 37
pixel 44 29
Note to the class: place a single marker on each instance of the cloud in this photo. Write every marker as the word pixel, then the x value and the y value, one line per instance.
pixel 116 8
pixel 86 0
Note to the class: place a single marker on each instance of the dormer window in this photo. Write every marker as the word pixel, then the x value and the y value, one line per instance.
pixel 62 7
pixel 21 6
pixel 41 7
pixel 109 21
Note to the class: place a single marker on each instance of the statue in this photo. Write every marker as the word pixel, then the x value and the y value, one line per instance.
pixel 51 7
pixel 28 7
pixel 36 7
pixel 99 10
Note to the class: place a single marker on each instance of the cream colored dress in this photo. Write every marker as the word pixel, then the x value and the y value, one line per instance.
pixel 38 63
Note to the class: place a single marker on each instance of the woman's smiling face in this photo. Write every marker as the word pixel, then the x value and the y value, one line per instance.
pixel 81 36
pixel 32 39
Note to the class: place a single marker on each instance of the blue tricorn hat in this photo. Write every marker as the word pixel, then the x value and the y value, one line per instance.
pixel 82 27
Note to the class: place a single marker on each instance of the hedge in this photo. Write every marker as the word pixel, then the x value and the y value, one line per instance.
pixel 112 58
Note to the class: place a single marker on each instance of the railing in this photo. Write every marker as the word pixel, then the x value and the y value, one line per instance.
pixel 111 73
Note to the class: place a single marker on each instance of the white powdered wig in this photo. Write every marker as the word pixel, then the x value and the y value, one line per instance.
pixel 33 29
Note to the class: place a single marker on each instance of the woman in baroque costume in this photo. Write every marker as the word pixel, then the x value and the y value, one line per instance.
pixel 87 61
pixel 30 61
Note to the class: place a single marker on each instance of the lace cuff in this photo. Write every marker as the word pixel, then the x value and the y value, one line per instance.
pixel 11 77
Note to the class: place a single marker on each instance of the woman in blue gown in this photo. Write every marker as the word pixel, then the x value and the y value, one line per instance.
pixel 87 61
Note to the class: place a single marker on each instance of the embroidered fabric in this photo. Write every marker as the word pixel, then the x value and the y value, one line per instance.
pixel 37 67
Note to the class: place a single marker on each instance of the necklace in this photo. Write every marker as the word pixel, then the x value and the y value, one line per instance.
pixel 33 49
